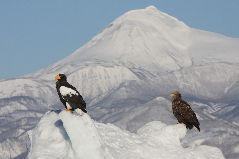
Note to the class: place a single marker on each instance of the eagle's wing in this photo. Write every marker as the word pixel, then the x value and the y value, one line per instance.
pixel 72 96
pixel 188 114
pixel 76 101
pixel 186 111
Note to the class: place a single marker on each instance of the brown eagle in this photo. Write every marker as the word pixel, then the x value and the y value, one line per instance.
pixel 183 112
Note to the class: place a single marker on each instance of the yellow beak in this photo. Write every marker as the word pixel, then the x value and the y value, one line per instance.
pixel 57 77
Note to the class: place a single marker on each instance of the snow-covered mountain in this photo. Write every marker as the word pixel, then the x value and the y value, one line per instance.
pixel 126 72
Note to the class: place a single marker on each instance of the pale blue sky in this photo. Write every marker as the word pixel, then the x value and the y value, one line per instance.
pixel 37 33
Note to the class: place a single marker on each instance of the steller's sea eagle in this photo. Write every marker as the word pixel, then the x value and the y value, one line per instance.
pixel 68 94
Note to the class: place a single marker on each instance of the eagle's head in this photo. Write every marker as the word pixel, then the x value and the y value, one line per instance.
pixel 175 95
pixel 60 77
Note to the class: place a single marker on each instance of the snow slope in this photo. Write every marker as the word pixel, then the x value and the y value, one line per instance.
pixel 125 74
pixel 65 135
pixel 155 41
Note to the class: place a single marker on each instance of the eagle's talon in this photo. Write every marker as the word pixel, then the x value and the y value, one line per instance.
pixel 69 110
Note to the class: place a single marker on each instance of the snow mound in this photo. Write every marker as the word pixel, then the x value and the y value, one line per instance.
pixel 83 135
pixel 65 135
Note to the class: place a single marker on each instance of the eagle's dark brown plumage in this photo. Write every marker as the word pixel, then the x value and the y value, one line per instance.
pixel 183 112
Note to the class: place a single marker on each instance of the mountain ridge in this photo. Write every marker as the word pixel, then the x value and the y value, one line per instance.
pixel 153 40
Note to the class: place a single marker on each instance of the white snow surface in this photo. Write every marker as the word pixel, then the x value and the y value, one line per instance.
pixel 66 135
pixel 125 74
pixel 62 135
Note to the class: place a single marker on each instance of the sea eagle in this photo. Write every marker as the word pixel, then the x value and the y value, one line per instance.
pixel 183 112
pixel 68 94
